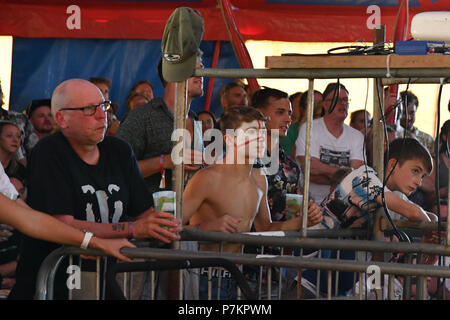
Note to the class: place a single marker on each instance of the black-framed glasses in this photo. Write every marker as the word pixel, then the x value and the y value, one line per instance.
pixel 91 110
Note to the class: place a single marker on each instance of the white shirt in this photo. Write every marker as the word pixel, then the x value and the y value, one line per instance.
pixel 6 187
pixel 330 150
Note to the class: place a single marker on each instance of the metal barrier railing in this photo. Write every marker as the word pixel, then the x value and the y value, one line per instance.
pixel 286 240
pixel 116 292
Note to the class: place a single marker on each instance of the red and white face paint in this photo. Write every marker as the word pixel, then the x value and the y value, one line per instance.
pixel 243 146
pixel 250 141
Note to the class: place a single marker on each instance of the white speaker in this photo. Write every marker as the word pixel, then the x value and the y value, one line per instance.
pixel 431 26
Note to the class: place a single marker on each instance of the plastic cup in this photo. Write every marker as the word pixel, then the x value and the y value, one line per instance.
pixel 164 201
pixel 293 204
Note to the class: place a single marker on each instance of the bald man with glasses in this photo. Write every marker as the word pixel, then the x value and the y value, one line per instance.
pixel 87 180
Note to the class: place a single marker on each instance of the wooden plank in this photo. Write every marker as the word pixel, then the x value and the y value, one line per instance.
pixel 352 62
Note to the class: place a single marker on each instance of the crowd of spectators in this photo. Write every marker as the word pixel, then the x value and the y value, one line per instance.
pixel 55 152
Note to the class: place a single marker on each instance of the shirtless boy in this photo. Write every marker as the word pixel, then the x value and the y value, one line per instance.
pixel 231 196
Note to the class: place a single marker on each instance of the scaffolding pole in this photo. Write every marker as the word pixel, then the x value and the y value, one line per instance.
pixel 309 119
pixel 324 73
pixel 378 137
pixel 175 279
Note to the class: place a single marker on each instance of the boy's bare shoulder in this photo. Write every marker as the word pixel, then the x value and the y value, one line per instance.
pixel 207 175
pixel 260 177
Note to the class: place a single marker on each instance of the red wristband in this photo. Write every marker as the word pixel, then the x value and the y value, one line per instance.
pixel 130 231
pixel 162 184
pixel 161 164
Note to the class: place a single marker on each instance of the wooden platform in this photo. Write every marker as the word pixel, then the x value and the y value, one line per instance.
pixel 353 62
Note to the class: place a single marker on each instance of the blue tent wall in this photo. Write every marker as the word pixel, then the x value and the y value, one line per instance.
pixel 39 65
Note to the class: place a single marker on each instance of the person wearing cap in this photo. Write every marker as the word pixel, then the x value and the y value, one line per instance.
pixel 149 128
pixel 87 180
pixel 40 115
pixel 29 137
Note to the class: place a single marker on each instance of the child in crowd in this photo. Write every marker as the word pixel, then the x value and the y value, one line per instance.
pixel 360 192
pixel 232 196
pixel 353 201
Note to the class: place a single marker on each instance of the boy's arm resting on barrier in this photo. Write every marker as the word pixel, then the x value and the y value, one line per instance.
pixel 45 227
pixel 407 209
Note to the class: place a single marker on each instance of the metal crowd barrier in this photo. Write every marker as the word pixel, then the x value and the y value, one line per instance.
pixel 164 258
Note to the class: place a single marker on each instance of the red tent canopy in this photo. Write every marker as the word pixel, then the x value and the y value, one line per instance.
pixel 285 20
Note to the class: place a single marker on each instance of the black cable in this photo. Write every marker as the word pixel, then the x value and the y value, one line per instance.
pixel 369 227
pixel 361 50
pixel 335 98
pixel 405 103
pixel 353 50
pixel 436 154
pixel 400 234
pixel 365 135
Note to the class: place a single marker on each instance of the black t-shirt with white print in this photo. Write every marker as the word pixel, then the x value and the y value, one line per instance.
pixel 60 182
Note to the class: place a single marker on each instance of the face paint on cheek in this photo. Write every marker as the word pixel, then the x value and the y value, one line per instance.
pixel 250 139
pixel 262 137
pixel 257 139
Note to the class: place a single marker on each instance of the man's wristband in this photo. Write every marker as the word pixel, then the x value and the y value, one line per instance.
pixel 87 238
pixel 130 231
